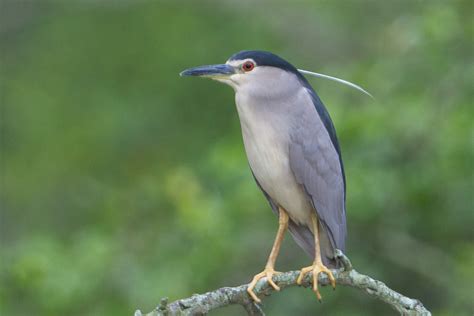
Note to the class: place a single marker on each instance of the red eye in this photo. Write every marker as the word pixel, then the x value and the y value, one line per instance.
pixel 248 66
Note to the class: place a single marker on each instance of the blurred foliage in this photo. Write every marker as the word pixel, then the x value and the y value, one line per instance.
pixel 123 183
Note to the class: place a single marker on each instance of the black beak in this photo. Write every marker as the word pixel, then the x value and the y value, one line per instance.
pixel 222 70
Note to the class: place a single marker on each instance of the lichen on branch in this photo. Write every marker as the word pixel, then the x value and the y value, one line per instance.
pixel 201 304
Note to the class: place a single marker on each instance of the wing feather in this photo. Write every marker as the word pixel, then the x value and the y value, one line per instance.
pixel 317 165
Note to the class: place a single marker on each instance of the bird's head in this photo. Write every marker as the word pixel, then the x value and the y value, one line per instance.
pixel 247 67
pixel 258 72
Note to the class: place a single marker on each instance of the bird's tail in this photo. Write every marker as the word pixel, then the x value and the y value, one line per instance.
pixel 305 239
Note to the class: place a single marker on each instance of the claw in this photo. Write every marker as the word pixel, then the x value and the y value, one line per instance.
pixel 316 268
pixel 267 273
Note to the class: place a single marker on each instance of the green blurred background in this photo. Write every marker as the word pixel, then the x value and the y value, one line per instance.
pixel 123 183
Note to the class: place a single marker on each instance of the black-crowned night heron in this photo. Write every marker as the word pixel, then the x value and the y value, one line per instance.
pixel 293 153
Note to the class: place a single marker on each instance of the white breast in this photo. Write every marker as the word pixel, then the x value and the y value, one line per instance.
pixel 266 141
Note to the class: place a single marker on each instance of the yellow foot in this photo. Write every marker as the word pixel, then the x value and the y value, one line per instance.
pixel 316 268
pixel 267 273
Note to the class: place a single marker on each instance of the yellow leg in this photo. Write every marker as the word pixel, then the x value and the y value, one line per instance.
pixel 318 265
pixel 269 270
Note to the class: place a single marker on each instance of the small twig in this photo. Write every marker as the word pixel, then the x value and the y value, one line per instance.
pixel 346 263
pixel 201 304
pixel 253 309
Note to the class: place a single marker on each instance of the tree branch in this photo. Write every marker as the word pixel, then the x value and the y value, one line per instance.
pixel 200 304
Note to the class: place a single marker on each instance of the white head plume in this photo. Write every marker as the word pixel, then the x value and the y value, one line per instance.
pixel 345 82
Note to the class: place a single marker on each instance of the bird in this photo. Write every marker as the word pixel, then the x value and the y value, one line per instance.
pixel 293 153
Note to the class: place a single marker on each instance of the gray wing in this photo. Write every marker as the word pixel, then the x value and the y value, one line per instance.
pixel 317 165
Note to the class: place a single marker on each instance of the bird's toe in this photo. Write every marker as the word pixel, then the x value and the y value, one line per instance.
pixel 268 274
